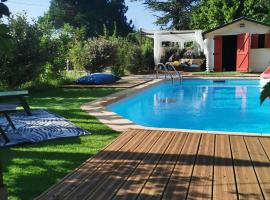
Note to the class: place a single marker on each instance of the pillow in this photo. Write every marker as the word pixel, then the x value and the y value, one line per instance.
pixel 97 79
pixel 184 65
pixel 194 66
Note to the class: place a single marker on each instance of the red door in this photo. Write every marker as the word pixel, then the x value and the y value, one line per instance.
pixel 242 57
pixel 218 54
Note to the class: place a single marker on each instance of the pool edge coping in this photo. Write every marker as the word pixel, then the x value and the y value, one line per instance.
pixel 97 108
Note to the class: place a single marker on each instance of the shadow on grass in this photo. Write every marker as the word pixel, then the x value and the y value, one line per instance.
pixel 30 169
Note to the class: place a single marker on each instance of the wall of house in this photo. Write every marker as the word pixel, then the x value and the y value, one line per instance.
pixel 257 56
pixel 259 60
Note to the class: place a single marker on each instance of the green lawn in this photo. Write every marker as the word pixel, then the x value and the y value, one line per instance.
pixel 31 169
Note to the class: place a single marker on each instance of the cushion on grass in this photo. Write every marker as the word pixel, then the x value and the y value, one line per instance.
pixel 41 126
pixel 97 79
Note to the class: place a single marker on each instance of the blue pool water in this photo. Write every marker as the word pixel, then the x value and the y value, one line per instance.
pixel 232 106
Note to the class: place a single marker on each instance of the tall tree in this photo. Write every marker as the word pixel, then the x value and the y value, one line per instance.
pixel 92 14
pixel 212 13
pixel 5 39
pixel 173 14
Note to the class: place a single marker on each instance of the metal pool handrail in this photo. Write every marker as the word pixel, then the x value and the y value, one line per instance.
pixel 165 68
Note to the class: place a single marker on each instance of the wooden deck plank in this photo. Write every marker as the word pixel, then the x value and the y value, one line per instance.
pixel 178 184
pixel 104 170
pixel 135 183
pixel 119 176
pixel 224 186
pixel 155 185
pixel 152 164
pixel 265 142
pixel 202 177
pixel 78 175
pixel 247 184
pixel 261 164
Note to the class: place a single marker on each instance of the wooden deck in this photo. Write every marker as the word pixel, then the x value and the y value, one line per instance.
pixel 145 164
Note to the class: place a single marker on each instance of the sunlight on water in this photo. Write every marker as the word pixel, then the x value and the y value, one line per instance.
pixel 232 105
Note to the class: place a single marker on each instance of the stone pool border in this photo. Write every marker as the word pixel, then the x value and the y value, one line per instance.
pixel 97 108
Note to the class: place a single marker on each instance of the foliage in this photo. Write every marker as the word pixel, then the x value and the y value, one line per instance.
pixel 133 55
pixel 212 13
pixel 121 61
pixel 25 166
pixel 134 59
pixel 56 44
pixel 174 14
pixel 174 51
pixel 99 53
pixel 265 93
pixel 5 39
pixel 26 60
pixel 148 55
pixel 78 55
pixel 4 47
pixel 93 14
pixel 140 58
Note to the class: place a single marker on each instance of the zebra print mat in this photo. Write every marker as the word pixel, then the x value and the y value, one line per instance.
pixel 41 126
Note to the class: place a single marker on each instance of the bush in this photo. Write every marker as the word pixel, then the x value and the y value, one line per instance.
pixel 134 59
pixel 25 62
pixel 100 53
pixel 120 66
pixel 78 55
pixel 132 55
pixel 56 45
pixel 140 59
pixel 148 56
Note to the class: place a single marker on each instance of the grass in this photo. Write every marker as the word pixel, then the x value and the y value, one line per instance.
pixel 31 169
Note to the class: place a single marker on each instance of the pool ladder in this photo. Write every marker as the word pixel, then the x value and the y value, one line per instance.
pixel 168 70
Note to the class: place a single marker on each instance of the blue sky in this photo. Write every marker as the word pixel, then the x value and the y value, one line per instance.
pixel 141 17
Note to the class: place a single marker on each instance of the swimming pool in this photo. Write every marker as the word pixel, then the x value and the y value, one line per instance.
pixel 230 105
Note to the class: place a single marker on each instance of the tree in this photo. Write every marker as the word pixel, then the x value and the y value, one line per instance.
pixel 5 39
pixel 212 13
pixel 25 62
pixel 174 14
pixel 92 14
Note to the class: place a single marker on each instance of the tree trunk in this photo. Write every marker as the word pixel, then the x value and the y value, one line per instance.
pixel 3 189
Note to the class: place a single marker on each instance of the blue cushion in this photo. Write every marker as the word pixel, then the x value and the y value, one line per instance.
pixel 195 66
pixel 184 65
pixel 97 79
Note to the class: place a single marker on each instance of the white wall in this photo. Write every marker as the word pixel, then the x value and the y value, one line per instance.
pixel 235 29
pixel 259 59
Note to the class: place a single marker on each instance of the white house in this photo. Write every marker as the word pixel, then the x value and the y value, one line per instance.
pixel 242 45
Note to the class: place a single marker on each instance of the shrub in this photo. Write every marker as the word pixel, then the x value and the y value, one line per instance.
pixel 55 45
pixel 100 53
pixel 134 59
pixel 140 59
pixel 78 55
pixel 120 66
pixel 148 56
pixel 25 62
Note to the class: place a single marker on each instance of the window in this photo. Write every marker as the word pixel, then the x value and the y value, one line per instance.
pixel 259 41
